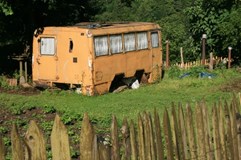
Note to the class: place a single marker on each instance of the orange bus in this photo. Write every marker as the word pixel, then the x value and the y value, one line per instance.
pixel 95 57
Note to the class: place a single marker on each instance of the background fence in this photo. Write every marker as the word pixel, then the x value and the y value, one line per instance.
pixel 183 133
pixel 211 63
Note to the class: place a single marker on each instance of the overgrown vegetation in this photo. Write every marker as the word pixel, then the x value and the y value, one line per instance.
pixel 19 108
pixel 189 89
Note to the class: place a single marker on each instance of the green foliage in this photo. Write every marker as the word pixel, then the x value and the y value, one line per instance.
pixel 220 20
pixel 3 130
pixel 47 126
pixel 17 111
pixel 3 82
pixel 49 109
pixel 5 8
pixel 173 72
pixel 70 118
pixel 182 22
pixel 6 141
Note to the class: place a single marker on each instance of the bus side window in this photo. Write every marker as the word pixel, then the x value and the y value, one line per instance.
pixel 47 46
pixel 116 43
pixel 71 45
pixel 154 40
pixel 130 42
pixel 101 45
pixel 142 42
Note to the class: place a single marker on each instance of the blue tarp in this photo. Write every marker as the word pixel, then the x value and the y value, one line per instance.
pixel 201 75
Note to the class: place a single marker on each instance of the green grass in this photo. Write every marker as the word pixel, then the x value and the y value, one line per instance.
pixel 129 102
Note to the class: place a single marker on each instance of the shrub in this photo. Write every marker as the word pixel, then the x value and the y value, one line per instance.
pixel 173 72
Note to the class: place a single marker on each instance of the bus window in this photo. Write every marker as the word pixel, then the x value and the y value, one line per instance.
pixel 116 43
pixel 71 45
pixel 142 42
pixel 47 46
pixel 129 40
pixel 101 45
pixel 154 40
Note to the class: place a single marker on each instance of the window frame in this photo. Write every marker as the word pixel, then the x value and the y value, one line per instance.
pixel 108 50
pixel 158 39
pixel 110 44
pixel 137 40
pixel 148 45
pixel 135 45
pixel 54 47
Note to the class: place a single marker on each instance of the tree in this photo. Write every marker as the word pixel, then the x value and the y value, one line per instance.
pixel 19 19
pixel 112 10
pixel 219 19
pixel 5 8
pixel 229 30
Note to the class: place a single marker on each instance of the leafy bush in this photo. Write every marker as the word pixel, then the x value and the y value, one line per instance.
pixel 3 82
pixel 49 109
pixel 173 72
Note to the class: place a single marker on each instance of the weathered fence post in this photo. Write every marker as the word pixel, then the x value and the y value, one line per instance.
pixel 2 149
pixel 239 100
pixel 183 132
pixel 59 141
pixel 176 135
pixel 234 130
pixel 207 133
pixel 182 59
pixel 152 141
pixel 191 133
pixel 229 57
pixel 115 149
pixel 104 150
pixel 204 36
pixel 141 139
pixel 147 137
pixel 86 139
pixel 133 141
pixel 228 132
pixel 211 61
pixel 35 142
pixel 167 54
pixel 222 131
pixel 17 145
pixel 200 133
pixel 125 140
pixel 216 134
pixel 158 135
pixel 168 136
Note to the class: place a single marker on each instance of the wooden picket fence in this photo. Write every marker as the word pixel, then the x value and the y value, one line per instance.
pixel 211 63
pixel 184 133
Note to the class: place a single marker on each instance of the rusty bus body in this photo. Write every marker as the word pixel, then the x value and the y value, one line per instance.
pixel 95 57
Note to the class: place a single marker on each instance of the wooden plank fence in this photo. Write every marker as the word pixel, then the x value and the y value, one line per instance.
pixel 184 133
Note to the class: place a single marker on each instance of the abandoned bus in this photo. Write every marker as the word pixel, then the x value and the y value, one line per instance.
pixel 97 58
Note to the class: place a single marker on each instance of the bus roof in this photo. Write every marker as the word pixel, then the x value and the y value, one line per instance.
pixel 95 25
pixel 96 28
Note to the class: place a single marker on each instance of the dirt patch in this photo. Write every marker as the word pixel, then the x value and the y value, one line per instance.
pixel 22 118
pixel 232 86
pixel 22 91
pixel 43 118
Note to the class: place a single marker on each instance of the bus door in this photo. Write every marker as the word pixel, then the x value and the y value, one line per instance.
pixel 47 59
pixel 156 54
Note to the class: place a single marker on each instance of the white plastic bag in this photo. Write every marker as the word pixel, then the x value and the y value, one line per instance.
pixel 135 85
